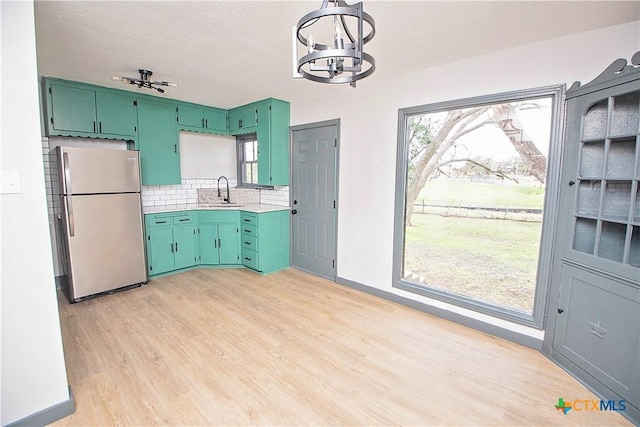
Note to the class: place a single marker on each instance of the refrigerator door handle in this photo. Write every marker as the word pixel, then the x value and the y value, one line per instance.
pixel 70 218
pixel 67 174
pixel 69 203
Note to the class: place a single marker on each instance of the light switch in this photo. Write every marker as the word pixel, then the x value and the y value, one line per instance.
pixel 10 183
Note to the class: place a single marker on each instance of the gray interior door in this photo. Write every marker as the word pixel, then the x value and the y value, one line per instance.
pixel 313 198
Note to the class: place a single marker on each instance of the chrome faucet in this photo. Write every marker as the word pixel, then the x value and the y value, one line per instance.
pixel 228 198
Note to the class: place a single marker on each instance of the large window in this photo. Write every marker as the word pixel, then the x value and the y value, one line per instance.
pixel 247 160
pixel 476 204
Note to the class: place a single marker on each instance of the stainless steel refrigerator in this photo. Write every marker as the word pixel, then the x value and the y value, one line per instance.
pixel 100 221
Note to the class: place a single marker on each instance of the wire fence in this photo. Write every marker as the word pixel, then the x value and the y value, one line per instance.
pixel 479 210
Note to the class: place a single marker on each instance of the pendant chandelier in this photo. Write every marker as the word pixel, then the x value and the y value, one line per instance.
pixel 145 80
pixel 341 60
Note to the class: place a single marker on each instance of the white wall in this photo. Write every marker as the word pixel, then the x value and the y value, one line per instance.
pixel 369 133
pixel 33 371
pixel 205 156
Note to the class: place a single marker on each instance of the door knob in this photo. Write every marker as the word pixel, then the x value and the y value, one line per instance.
pixel 293 212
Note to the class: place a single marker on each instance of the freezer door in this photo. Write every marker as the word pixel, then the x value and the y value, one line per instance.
pixel 105 242
pixel 92 170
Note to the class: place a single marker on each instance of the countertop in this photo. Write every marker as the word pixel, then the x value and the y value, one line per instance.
pixel 254 207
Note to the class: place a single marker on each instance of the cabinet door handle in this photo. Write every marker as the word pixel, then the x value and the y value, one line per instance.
pixel 206 123
pixel 247 231
pixel 219 243
pixel 215 243
pixel 94 126
pixel 240 123
pixel 175 148
pixel 176 246
pixel 161 222
pixel 99 127
pixel 172 248
pixel 247 243
pixel 248 259
pixel 203 122
pixel 247 220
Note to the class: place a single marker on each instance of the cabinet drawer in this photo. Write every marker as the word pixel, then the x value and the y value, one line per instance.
pixel 158 221
pixel 249 229
pixel 249 242
pixel 182 219
pixel 250 258
pixel 249 219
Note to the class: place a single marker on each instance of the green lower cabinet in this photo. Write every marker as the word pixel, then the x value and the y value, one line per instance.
pixel 160 250
pixel 208 235
pixel 184 251
pixel 265 240
pixel 219 238
pixel 179 240
pixel 170 242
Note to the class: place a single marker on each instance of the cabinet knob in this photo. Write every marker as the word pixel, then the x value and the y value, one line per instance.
pixel 571 183
pixel 293 212
pixel 560 311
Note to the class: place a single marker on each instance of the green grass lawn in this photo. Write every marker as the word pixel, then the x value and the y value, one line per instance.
pixel 492 260
pixel 456 191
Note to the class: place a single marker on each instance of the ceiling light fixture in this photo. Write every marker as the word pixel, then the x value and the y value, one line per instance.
pixel 342 55
pixel 145 80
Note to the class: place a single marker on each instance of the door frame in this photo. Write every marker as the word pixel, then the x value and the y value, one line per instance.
pixel 292 129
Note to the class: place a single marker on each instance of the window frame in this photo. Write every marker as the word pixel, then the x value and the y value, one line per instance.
pixel 241 140
pixel 550 208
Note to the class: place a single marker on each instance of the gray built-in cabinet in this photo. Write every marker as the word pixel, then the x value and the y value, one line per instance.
pixel 594 319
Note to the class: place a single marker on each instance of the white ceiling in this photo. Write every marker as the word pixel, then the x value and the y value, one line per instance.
pixel 227 53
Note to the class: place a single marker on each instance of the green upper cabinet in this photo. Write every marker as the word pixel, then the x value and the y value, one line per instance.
pixel 273 142
pixel 72 109
pixel 201 119
pixel 158 142
pixel 116 113
pixel 82 110
pixel 190 116
pixel 216 119
pixel 243 119
pixel 152 123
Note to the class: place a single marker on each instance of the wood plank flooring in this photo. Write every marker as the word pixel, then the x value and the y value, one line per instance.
pixel 230 347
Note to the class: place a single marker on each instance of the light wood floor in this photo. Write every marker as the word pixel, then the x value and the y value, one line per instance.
pixel 230 347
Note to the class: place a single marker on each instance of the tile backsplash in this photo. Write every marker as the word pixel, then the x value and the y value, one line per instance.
pixel 206 191
pixel 243 196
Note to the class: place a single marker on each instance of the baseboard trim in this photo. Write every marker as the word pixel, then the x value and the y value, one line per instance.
pixel 497 331
pixel 48 415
